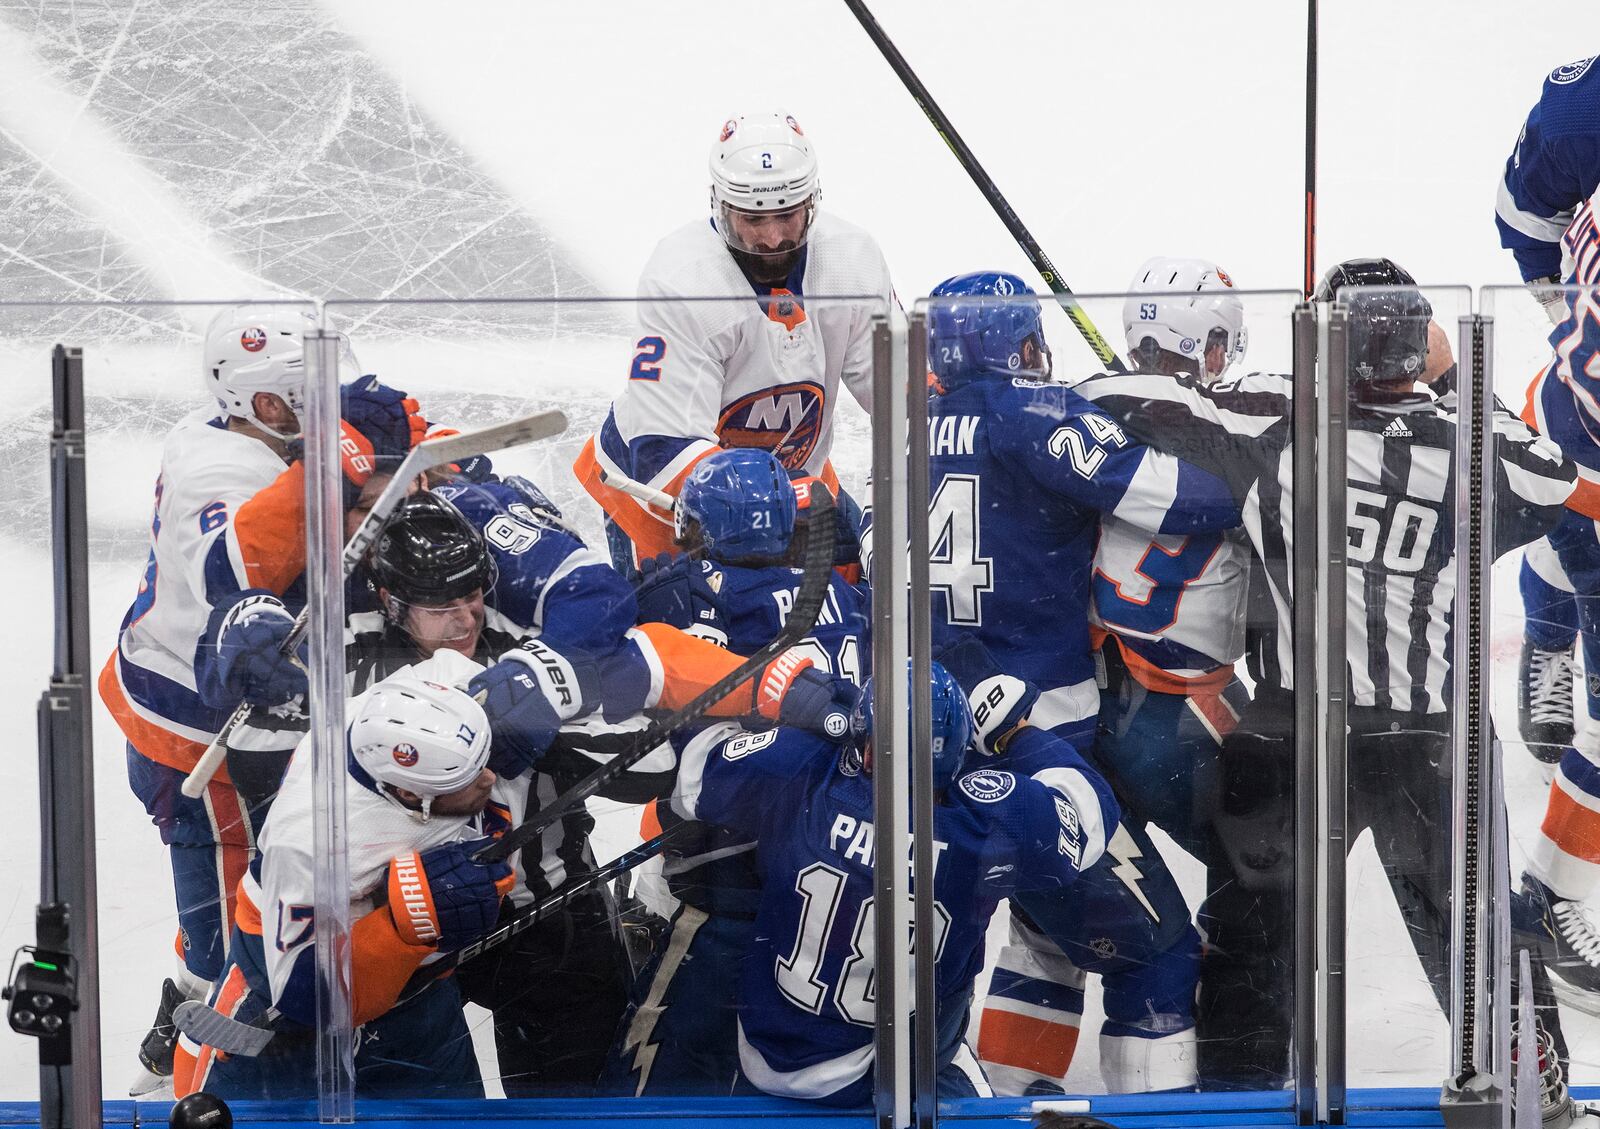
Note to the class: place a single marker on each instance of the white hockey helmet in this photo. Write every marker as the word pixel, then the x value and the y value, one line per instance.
pixel 1185 306
pixel 422 736
pixel 762 163
pixel 256 349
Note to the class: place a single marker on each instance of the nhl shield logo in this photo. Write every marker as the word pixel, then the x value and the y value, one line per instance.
pixel 254 339
pixel 405 755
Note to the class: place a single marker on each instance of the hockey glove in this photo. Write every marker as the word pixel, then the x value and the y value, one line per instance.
pixel 1000 702
pixel 846 519
pixel 385 417
pixel 682 593
pixel 240 657
pixel 792 691
pixel 526 696
pixel 1553 301
pixel 443 898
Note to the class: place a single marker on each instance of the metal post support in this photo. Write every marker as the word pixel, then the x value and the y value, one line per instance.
pixel 1303 553
pixel 325 597
pixel 1476 1095
pixel 890 779
pixel 69 1070
pixel 1333 412
pixel 924 932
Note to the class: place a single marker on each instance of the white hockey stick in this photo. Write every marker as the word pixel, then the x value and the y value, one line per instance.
pixel 210 1028
pixel 649 495
pixel 425 456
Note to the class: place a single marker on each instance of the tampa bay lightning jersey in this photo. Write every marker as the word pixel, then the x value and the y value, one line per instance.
pixel 715 869
pixel 806 990
pixel 548 581
pixel 1020 473
pixel 1554 168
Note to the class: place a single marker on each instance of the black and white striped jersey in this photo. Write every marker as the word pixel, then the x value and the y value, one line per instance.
pixel 1400 496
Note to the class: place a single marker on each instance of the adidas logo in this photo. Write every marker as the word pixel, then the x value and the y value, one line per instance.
pixel 1397 430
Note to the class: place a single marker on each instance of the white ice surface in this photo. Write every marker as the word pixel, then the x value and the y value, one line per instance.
pixel 357 148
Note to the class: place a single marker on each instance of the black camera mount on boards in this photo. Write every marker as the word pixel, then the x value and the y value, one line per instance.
pixel 56 993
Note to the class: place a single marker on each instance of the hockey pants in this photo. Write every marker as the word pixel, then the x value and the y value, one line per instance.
pixel 1124 920
pixel 420 1048
pixel 210 842
pixel 1399 788
pixel 557 992
pixel 1560 596
pixel 680 1035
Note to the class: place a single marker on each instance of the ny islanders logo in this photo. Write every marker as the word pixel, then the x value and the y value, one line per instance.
pixel 253 339
pixel 785 421
pixel 405 755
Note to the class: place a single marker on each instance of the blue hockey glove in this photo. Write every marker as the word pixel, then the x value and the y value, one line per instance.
pixel 526 696
pixel 240 656
pixel 385 416
pixel 682 593
pixel 1000 702
pixel 443 898
pixel 819 702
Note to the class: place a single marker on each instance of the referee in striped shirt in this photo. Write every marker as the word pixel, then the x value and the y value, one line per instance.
pixel 1400 591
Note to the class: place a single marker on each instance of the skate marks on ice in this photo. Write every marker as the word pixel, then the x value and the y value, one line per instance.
pixel 288 146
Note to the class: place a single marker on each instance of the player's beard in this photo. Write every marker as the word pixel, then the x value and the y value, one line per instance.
pixel 768 268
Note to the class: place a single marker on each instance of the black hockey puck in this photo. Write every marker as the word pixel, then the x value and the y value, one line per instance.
pixel 201 1111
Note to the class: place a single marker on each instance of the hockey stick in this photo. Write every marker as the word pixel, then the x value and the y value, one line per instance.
pixel 991 191
pixel 425 456
pixel 209 1027
pixel 649 495
pixel 817 573
pixel 1311 147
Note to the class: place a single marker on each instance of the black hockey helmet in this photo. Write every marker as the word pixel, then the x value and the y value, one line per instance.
pixel 1388 327
pixel 1361 272
pixel 429 554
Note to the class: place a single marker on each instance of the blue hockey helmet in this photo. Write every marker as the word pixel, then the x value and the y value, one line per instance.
pixel 742 502
pixel 988 334
pixel 952 725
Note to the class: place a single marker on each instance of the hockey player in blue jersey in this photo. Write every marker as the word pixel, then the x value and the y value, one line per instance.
pixel 806 1006
pixel 736 515
pixel 1021 472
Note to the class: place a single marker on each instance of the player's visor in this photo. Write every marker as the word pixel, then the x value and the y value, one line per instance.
pixel 766 233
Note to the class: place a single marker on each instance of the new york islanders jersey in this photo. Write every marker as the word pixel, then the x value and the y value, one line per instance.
pixel 1554 168
pixel 277 900
pixel 762 372
pixel 1174 602
pixel 806 1003
pixel 229 515
pixel 1020 474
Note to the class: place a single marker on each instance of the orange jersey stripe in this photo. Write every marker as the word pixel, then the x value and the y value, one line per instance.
pixel 381 963
pixel 160 745
pixel 1153 677
pixel 270 530
pixel 1571 826
pixel 1026 1043
pixel 651 531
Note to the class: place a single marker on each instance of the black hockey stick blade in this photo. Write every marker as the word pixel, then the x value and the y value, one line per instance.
pixel 209 1027
pixel 817 572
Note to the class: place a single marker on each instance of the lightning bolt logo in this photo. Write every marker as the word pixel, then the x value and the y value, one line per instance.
pixel 1127 852
pixel 643 1026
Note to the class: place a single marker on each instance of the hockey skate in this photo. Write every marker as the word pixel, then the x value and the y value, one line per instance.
pixel 155 1053
pixel 1544 702
pixel 1567 940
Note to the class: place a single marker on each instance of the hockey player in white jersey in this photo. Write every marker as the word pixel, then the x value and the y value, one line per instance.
pixel 421 800
pixel 1170 608
pixel 764 372
pixel 229 517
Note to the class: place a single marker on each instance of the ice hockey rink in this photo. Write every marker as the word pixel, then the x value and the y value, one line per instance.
pixel 152 152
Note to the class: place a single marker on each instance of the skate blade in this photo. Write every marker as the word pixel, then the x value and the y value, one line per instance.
pixel 149 1083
